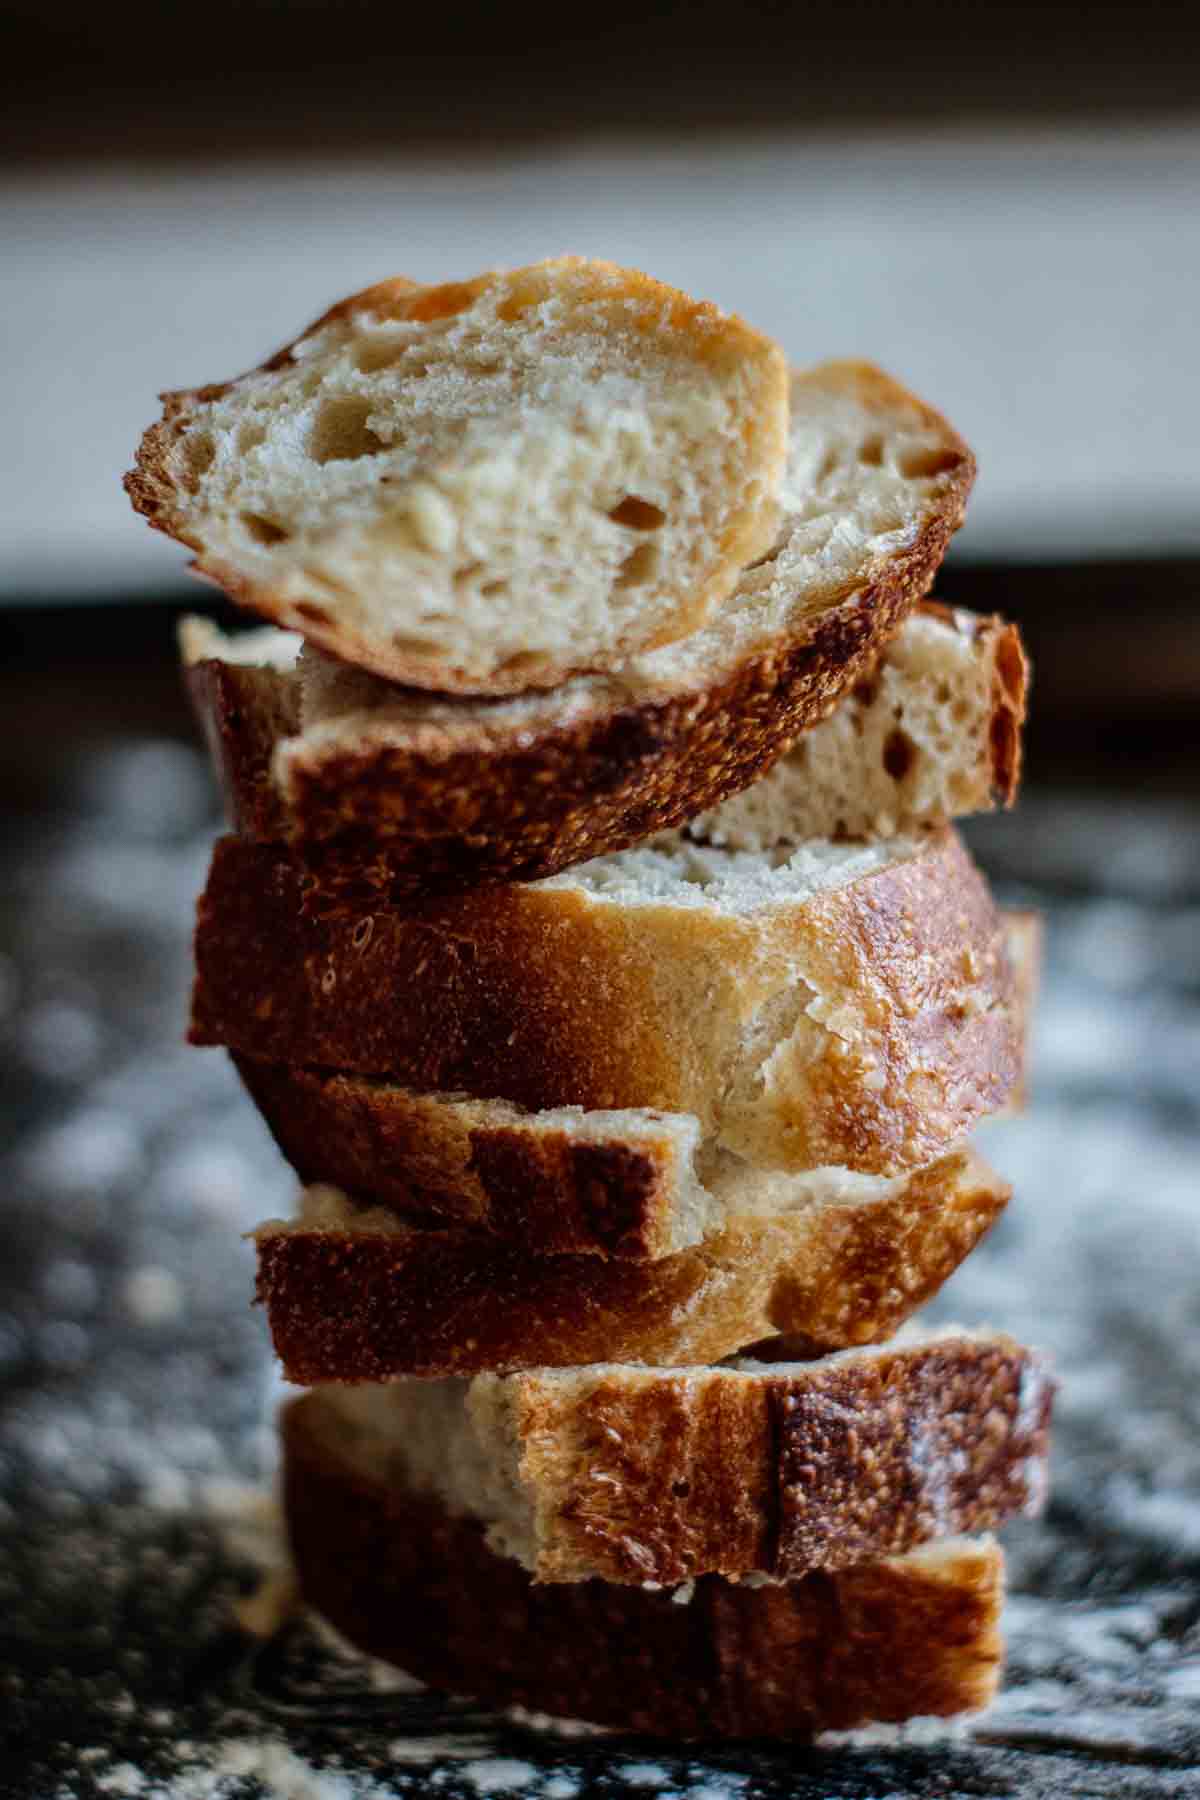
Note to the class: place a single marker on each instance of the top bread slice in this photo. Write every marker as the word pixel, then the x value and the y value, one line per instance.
pixel 840 1004
pixel 420 790
pixel 484 486
pixel 770 1468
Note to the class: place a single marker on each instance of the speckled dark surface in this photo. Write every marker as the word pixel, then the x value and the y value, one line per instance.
pixel 137 1390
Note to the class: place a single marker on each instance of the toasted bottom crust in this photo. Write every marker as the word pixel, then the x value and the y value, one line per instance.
pixel 365 1305
pixel 401 1579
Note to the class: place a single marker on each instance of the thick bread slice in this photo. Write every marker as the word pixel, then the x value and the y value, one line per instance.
pixel 844 1004
pixel 487 485
pixel 916 1636
pixel 423 791
pixel 932 732
pixel 354 1295
pixel 630 1184
pixel 774 1469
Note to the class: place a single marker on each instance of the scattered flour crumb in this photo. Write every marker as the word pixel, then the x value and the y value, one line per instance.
pixel 646 1774
pixel 123 1779
pixel 498 1774
pixel 152 1296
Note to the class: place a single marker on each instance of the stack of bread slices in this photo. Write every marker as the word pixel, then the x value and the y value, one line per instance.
pixel 597 945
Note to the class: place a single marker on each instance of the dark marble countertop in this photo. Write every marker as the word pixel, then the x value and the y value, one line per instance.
pixel 137 1391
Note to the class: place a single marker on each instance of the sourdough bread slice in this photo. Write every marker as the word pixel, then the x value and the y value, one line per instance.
pixel 424 790
pixel 931 733
pixel 839 1004
pixel 768 1468
pixel 484 486
pixel 353 1294
pixel 405 1580
pixel 566 1181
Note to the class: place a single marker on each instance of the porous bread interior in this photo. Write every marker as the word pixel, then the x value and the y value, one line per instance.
pixel 549 470
pixel 854 494
pixel 909 743
pixel 460 1440
pixel 678 873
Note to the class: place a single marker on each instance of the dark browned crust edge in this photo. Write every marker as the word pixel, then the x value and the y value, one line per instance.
pixel 551 1193
pixel 404 1581
pixel 362 1306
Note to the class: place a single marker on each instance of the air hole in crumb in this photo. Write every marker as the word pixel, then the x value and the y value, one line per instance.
pixel 201 454
pixel 491 590
pixel 866 691
pixel 263 530
pixel 374 353
pixel 829 463
pixel 638 514
pixel 341 433
pixel 250 435
pixel 870 452
pixel 681 1489
pixel 943 693
pixel 524 662
pixel 899 754
pixel 360 937
pixel 934 459
pixel 308 609
pixel 639 566
pixel 417 647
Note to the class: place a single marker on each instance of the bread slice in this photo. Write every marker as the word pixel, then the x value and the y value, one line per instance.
pixel 406 1580
pixel 617 1183
pixel 839 1004
pixel 769 1468
pixel 484 486
pixel 423 791
pixel 352 1294
pixel 636 1184
pixel 931 733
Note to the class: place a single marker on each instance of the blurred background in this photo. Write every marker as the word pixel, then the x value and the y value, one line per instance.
pixel 998 202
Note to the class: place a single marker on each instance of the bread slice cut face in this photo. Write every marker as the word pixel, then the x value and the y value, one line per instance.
pixel 485 485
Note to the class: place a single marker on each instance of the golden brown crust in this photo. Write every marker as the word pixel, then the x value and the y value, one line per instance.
pixel 153 485
pixel 400 817
pixel 403 1580
pixel 782 1472
pixel 554 1192
pixel 368 1305
pixel 907 1031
